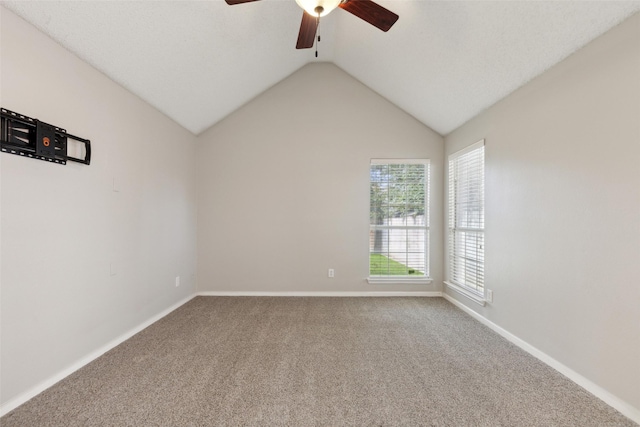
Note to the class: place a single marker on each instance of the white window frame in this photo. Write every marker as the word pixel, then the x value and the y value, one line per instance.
pixel 400 279
pixel 476 289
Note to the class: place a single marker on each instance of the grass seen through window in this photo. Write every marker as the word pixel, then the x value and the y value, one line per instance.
pixel 380 265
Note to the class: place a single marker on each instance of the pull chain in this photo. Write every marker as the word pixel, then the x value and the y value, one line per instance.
pixel 318 38
pixel 319 10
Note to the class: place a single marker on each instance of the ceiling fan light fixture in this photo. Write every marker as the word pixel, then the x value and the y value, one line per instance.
pixel 313 6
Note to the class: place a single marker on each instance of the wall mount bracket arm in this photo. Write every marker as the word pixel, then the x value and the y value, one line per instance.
pixel 28 137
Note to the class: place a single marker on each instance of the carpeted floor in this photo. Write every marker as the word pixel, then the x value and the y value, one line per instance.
pixel 243 361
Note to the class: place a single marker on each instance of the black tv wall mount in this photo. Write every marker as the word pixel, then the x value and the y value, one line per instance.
pixel 27 137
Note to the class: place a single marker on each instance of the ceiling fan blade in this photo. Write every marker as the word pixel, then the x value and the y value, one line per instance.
pixel 232 2
pixel 371 12
pixel 307 34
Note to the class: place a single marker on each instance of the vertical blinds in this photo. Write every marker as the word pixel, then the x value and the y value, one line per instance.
pixel 466 218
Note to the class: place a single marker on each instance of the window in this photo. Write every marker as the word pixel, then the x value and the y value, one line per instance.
pixel 466 219
pixel 399 221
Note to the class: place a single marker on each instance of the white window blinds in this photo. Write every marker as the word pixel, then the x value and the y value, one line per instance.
pixel 466 218
pixel 399 218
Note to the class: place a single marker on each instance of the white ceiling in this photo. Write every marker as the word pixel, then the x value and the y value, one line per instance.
pixel 443 62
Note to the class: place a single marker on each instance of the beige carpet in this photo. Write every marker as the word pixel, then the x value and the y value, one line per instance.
pixel 244 361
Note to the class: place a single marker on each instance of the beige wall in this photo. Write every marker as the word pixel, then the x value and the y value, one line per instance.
pixel 283 186
pixel 563 211
pixel 62 226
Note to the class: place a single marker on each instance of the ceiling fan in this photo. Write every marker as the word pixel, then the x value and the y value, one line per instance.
pixel 366 10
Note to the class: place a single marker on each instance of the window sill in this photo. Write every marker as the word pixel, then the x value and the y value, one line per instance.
pixel 473 296
pixel 375 280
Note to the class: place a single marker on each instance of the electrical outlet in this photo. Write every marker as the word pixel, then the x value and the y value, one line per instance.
pixel 332 272
pixel 489 296
pixel 177 281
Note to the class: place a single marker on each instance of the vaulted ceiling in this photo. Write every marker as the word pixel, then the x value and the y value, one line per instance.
pixel 443 62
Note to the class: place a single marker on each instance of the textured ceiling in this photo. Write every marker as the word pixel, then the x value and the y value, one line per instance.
pixel 443 62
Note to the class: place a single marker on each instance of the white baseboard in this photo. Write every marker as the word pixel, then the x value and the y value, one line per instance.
pixel 319 294
pixel 22 398
pixel 615 402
